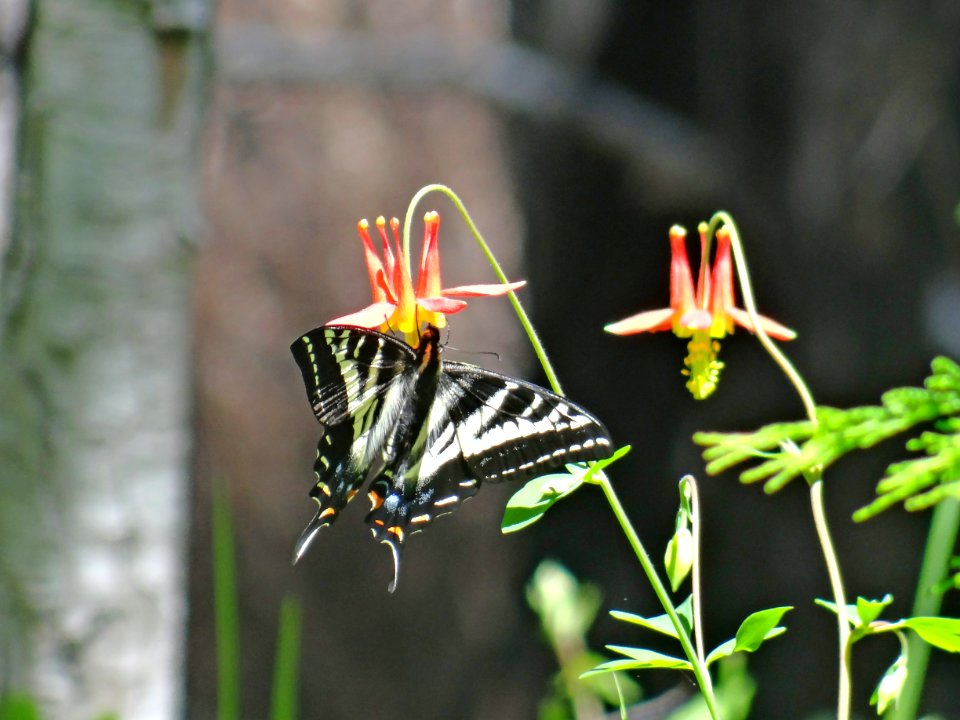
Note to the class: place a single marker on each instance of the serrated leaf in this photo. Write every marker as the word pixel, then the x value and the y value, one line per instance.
pixel 940 632
pixel 870 610
pixel 891 684
pixel 532 500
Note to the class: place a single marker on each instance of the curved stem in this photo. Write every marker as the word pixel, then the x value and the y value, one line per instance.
pixel 815 479
pixel 839 597
pixel 517 306
pixel 750 305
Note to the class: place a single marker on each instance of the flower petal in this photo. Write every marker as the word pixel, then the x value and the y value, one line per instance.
pixel 681 277
pixel 648 321
pixel 428 280
pixel 445 305
pixel 370 317
pixel 484 290
pixel 374 264
pixel 771 327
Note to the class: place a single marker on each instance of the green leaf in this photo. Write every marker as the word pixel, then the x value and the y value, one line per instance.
pixel 940 632
pixel 532 500
pixel 610 687
pixel 286 671
pixel 601 465
pixel 760 626
pixel 870 610
pixel 661 623
pixel 757 628
pixel 724 649
pixel 639 659
pixel 853 614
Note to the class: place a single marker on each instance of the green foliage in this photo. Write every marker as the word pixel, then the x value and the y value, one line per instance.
pixel 864 617
pixel 283 705
pixel 804 449
pixel 18 707
pixel 226 613
pixel 661 623
pixel 757 628
pixel 734 690
pixel 567 609
pixel 531 501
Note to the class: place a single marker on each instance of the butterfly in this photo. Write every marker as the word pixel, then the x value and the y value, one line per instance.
pixel 422 434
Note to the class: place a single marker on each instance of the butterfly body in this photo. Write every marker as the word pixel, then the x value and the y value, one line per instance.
pixel 422 434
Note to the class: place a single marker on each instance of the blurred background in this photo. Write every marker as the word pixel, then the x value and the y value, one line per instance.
pixel 181 184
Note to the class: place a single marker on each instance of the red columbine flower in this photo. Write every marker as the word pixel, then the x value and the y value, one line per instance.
pixel 704 316
pixel 396 305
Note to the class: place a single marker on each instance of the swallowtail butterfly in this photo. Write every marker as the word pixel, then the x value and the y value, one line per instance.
pixel 422 434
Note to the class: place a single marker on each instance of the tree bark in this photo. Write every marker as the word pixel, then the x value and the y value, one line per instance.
pixel 94 351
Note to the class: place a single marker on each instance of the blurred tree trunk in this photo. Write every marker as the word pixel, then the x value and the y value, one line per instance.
pixel 94 349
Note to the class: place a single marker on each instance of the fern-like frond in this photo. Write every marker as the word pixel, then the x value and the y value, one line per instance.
pixel 790 450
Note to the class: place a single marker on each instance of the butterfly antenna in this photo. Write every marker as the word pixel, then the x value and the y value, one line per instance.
pixel 491 353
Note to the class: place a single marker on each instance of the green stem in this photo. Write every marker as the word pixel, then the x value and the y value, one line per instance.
pixel 815 478
pixel 700 670
pixel 839 597
pixel 226 614
pixel 944 526
pixel 695 569
pixel 286 667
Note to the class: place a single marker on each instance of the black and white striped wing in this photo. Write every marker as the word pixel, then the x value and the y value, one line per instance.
pixel 509 429
pixel 346 369
pixel 348 374
pixel 483 427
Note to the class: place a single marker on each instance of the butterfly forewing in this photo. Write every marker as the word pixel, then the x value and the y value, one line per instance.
pixel 345 370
